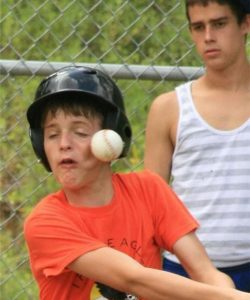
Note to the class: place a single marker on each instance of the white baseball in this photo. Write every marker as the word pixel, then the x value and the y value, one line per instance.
pixel 106 145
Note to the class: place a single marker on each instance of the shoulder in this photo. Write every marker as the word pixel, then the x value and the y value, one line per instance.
pixel 47 209
pixel 163 112
pixel 144 180
pixel 51 219
pixel 147 188
pixel 143 190
pixel 162 121
pixel 164 102
pixel 169 100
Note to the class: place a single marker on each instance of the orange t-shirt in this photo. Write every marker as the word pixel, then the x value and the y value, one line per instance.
pixel 143 217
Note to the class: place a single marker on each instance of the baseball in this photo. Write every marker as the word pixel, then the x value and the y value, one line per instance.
pixel 106 145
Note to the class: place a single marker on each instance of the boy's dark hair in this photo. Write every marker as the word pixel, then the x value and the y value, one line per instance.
pixel 239 8
pixel 74 107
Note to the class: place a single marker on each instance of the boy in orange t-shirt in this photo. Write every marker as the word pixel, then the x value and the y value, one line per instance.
pixel 101 235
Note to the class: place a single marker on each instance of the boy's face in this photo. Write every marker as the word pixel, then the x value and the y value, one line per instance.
pixel 218 37
pixel 67 146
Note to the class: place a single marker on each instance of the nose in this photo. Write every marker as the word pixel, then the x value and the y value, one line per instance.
pixel 65 142
pixel 208 34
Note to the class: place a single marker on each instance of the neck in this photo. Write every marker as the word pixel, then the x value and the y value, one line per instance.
pixel 233 78
pixel 94 193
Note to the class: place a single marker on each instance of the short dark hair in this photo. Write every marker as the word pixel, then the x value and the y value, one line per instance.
pixel 73 107
pixel 235 5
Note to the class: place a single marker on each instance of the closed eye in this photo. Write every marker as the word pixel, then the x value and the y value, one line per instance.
pixel 81 133
pixel 51 135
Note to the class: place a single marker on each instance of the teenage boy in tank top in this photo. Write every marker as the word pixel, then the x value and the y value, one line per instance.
pixel 199 137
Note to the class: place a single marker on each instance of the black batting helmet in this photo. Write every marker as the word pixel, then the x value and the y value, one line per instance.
pixel 87 84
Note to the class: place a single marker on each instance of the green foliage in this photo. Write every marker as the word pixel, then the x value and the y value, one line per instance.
pixel 15 277
pixel 83 31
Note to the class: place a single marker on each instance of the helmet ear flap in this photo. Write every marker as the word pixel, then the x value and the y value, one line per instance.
pixel 126 133
pixel 36 137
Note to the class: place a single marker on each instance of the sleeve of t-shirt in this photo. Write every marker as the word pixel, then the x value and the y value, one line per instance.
pixel 171 218
pixel 54 241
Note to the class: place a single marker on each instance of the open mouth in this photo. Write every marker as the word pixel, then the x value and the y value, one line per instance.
pixel 67 162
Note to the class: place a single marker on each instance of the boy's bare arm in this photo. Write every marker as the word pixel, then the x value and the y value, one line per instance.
pixel 160 134
pixel 121 272
pixel 196 262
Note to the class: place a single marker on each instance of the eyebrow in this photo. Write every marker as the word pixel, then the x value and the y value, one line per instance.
pixel 210 21
pixel 76 122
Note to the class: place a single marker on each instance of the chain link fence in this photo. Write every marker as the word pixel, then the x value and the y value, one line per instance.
pixel 144 45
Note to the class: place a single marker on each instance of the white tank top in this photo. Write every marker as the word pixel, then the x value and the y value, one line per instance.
pixel 211 174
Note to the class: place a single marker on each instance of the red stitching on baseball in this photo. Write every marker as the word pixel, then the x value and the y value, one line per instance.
pixel 112 150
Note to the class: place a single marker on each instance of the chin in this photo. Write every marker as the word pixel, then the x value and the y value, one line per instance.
pixel 68 181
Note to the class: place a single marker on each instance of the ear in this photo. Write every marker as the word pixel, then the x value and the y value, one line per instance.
pixel 246 25
pixel 248 22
